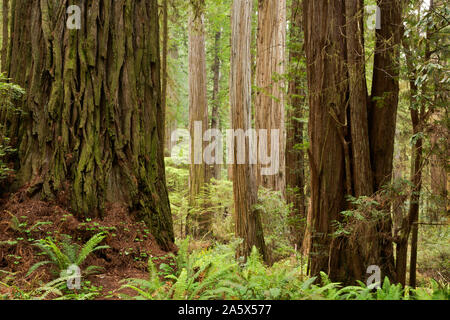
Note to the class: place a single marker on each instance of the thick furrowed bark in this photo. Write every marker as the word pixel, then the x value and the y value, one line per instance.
pixel 339 119
pixel 327 100
pixel 93 125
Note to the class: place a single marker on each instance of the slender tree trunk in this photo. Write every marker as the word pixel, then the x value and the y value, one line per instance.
pixel 439 143
pixel 172 96
pixel 198 113
pixel 247 220
pixel 216 168
pixel 92 128
pixel 164 75
pixel 295 175
pixel 413 215
pixel 5 34
pixel 269 102
pixel 418 122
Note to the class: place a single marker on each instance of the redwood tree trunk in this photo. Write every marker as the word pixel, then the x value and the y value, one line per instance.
pixel 327 99
pixel 295 175
pixel 269 101
pixel 198 112
pixel 216 168
pixel 247 220
pixel 5 34
pixel 164 75
pixel 92 128
pixel 345 154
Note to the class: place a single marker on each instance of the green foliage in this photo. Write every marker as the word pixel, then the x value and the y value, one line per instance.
pixel 276 221
pixel 220 202
pixel 9 95
pixel 433 256
pixel 198 279
pixel 67 253
pixel 216 274
pixel 219 195
pixel 55 289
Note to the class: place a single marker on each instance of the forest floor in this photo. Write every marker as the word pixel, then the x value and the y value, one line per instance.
pixel 24 220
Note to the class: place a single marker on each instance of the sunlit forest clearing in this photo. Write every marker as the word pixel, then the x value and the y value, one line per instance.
pixel 224 150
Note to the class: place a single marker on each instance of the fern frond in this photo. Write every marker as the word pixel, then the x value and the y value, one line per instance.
pixel 89 247
pixel 179 288
pixel 36 266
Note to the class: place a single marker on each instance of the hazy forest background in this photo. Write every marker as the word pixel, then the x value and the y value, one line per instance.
pixel 101 190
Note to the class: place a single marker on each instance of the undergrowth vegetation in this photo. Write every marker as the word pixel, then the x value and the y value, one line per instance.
pixel 216 274
pixel 206 269
pixel 9 95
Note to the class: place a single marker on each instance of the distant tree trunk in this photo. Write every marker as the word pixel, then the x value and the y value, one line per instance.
pixel 418 122
pixel 5 34
pixel 416 179
pixel 247 220
pixel 270 100
pixel 439 143
pixel 92 129
pixel 216 168
pixel 341 151
pixel 171 117
pixel 165 42
pixel 198 112
pixel 295 175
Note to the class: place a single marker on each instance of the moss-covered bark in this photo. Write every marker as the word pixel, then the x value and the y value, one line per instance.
pixel 94 118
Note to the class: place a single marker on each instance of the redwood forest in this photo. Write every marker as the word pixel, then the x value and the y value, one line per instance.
pixel 224 150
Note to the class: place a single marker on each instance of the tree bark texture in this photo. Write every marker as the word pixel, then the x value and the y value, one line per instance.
pixel 247 220
pixel 270 100
pixel 5 34
pixel 295 175
pixel 93 119
pixel 215 119
pixel 341 153
pixel 198 112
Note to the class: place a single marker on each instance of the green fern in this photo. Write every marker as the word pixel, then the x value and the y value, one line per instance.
pixel 69 253
pixel 90 247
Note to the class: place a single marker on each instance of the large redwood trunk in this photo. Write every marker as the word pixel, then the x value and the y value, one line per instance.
pixel 323 23
pixel 345 138
pixel 92 128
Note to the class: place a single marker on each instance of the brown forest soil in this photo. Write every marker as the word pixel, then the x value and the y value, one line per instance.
pixel 130 243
